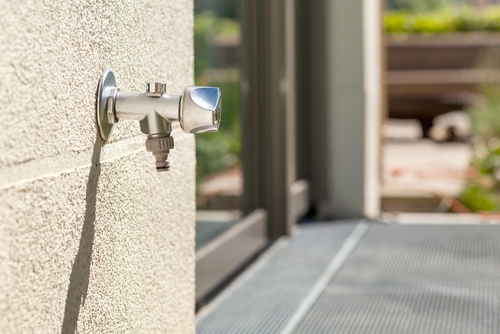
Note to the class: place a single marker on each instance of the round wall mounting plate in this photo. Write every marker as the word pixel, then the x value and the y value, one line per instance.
pixel 106 85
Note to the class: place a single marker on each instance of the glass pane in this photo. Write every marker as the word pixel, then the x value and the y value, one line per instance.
pixel 219 175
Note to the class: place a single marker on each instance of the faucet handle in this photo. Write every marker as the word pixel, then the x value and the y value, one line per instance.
pixel 200 109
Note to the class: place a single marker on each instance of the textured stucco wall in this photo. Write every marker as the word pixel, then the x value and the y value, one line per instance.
pixel 92 238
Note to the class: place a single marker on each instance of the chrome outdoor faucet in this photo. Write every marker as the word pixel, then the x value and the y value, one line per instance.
pixel 197 110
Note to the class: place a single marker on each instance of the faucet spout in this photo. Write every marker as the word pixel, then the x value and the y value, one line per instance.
pixel 160 145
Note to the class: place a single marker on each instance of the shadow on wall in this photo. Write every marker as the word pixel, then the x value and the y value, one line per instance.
pixel 79 278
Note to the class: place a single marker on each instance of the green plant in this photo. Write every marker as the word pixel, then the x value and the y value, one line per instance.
pixel 478 199
pixel 221 150
pixel 446 19
pixel 485 118
pixel 482 193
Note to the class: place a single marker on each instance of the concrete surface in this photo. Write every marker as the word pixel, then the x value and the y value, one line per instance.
pixel 418 173
pixel 425 166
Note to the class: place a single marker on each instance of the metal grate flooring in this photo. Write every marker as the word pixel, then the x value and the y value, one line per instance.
pixel 369 278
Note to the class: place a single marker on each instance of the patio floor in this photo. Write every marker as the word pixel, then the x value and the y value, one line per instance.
pixel 367 277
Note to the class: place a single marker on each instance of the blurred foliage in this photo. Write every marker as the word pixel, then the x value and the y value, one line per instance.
pixel 443 20
pixel 418 5
pixel 206 27
pixel 220 150
pixel 483 191
pixel 485 118
pixel 478 199
pixel 221 8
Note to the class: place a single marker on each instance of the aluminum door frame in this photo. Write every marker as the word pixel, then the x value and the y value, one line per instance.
pixel 273 198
